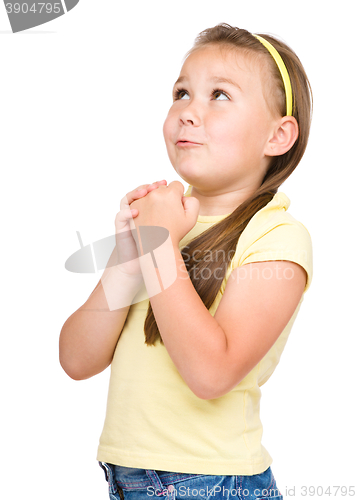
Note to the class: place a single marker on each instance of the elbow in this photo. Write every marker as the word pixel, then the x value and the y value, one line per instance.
pixel 209 390
pixel 207 394
pixel 213 379
pixel 75 364
pixel 69 364
pixel 215 388
pixel 75 367
pixel 72 371
pixel 76 374
pixel 203 395
pixel 78 371
pixel 211 393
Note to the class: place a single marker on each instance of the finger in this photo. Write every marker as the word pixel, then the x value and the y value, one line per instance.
pixel 156 184
pixel 177 185
pixel 124 215
pixel 139 193
pixel 142 191
pixel 133 195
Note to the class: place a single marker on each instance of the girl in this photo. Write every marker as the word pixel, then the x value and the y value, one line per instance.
pixel 183 407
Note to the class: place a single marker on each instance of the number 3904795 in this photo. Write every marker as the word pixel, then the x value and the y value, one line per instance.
pixel 34 8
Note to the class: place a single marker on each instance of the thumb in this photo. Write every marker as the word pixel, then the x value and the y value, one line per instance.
pixel 191 206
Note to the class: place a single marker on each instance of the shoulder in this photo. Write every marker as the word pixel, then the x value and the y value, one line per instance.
pixel 274 234
pixel 271 217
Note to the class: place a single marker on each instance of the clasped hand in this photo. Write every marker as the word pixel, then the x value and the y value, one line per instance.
pixel 167 207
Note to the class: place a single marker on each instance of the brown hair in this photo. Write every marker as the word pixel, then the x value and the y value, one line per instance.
pixel 221 238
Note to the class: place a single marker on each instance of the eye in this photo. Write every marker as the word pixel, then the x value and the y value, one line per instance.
pixel 180 93
pixel 218 91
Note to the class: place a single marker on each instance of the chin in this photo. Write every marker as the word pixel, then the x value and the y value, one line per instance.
pixel 189 178
pixel 189 171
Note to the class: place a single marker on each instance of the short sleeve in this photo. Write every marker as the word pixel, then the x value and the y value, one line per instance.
pixel 287 241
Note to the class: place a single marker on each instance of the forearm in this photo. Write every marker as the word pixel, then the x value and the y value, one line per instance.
pixel 89 336
pixel 193 338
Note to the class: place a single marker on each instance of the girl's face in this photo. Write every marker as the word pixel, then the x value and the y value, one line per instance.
pixel 218 127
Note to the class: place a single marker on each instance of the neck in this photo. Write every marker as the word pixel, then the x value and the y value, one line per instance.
pixel 220 202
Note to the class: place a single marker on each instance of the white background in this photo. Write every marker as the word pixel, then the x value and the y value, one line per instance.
pixel 83 100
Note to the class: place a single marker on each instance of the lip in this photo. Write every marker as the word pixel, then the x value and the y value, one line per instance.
pixel 183 143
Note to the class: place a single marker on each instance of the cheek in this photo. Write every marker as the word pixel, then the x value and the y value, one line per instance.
pixel 166 129
pixel 169 127
pixel 225 134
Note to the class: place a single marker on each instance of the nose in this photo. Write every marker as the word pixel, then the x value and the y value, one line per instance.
pixel 190 115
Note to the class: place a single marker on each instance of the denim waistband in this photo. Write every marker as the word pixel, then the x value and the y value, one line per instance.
pixel 162 483
pixel 128 477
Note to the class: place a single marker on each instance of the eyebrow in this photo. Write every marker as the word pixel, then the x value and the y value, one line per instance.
pixel 216 79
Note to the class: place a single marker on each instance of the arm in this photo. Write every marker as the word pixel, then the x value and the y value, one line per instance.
pixel 213 354
pixel 89 336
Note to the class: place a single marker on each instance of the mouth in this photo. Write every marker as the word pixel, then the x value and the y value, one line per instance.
pixel 184 143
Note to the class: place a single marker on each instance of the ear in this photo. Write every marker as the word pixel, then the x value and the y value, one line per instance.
pixel 283 137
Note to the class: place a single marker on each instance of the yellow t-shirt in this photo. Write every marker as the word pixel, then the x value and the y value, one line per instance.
pixel 154 420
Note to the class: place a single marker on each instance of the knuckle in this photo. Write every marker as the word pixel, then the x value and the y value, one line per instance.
pixel 117 218
pixel 154 193
pixel 134 204
pixel 120 214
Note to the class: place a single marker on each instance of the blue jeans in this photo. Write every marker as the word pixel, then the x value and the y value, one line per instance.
pixel 126 483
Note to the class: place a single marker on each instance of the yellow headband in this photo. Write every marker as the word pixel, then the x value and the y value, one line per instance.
pixel 283 71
